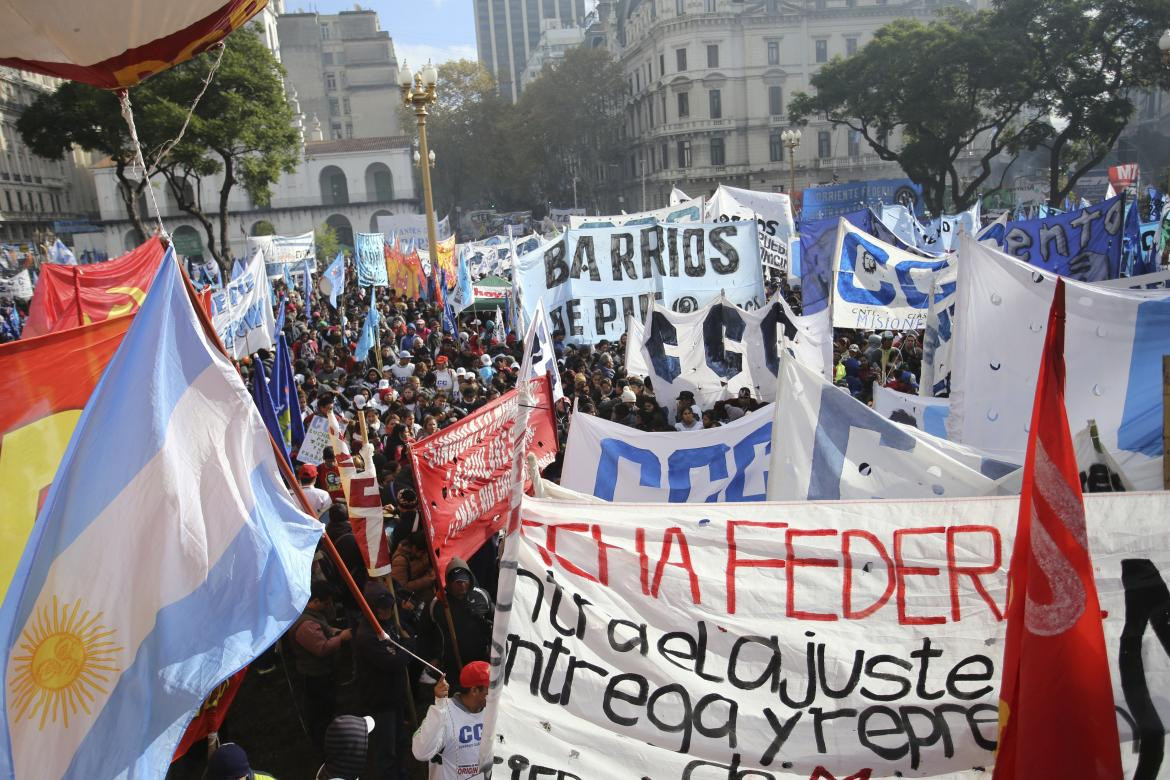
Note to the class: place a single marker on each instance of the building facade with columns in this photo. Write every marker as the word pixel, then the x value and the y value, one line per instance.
pixel 346 183
pixel 709 86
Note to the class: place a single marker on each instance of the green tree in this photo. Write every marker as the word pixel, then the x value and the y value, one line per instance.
pixel 933 98
pixel 241 129
pixel 1088 59
pixel 464 130
pixel 90 118
pixel 325 238
pixel 568 125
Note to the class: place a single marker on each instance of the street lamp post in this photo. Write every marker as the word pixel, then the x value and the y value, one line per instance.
pixel 791 139
pixel 418 92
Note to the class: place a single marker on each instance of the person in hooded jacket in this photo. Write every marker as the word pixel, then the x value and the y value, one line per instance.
pixel 471 615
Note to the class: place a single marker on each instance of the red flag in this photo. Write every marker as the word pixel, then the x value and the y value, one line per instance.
pixel 212 714
pixel 67 296
pixel 464 471
pixel 45 383
pixel 1056 715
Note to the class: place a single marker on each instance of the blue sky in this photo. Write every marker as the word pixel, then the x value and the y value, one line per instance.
pixel 422 29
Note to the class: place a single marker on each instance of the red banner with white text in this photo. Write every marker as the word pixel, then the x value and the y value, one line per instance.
pixel 464 471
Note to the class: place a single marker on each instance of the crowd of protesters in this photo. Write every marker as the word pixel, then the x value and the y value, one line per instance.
pixel 418 379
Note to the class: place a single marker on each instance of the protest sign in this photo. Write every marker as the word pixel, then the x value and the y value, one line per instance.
pixel 369 257
pixel 688 211
pixel 282 251
pixel 924 413
pixel 464 471
pixel 17 287
pixel 1084 244
pixel 1113 340
pixel 241 313
pixel 617 463
pixel 772 212
pixel 881 287
pixel 591 280
pixel 412 227
pixel 837 200
pixel 775 641
pixel 316 440
pixel 720 349
pixel 826 445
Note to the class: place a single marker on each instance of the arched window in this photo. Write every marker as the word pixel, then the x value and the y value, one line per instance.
pixel 343 228
pixel 263 228
pixel 379 183
pixel 374 219
pixel 334 187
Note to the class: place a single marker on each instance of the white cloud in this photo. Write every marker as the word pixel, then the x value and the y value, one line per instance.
pixel 416 54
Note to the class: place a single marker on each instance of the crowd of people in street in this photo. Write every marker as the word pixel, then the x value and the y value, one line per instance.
pixel 418 379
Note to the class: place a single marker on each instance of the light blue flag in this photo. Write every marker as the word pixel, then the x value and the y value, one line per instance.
pixel 335 274
pixel 288 282
pixel 168 554
pixel 463 295
pixel 369 334
pixel 61 254
pixel 238 267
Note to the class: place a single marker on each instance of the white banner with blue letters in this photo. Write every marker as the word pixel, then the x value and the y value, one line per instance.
pixel 880 287
pixel 614 462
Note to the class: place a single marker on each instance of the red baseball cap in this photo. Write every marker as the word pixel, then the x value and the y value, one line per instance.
pixel 307 471
pixel 476 674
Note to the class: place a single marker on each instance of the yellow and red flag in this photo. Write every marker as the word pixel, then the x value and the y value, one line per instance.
pixel 45 383
pixel 68 296
pixel 1056 716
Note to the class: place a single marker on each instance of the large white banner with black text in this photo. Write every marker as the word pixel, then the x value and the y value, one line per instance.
pixel 772 212
pixel 852 639
pixel 590 280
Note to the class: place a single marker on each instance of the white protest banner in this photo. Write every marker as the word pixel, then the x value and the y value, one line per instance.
pixel 772 212
pixel 635 362
pixel 241 313
pixel 881 287
pixel 591 280
pixel 617 463
pixel 827 445
pixel 281 251
pixel 1113 342
pixel 677 196
pixel 316 440
pixel 846 640
pixel 938 338
pixel 686 211
pixel 412 227
pixel 17 287
pixel 924 413
pixel 719 349
pixel 1158 280
pixel 944 231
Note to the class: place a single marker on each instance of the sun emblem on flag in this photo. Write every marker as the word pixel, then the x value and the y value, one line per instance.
pixel 63 658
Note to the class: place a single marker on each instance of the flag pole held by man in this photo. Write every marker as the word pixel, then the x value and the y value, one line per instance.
pixel 168 554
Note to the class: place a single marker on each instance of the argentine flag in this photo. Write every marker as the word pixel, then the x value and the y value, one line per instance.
pixel 168 555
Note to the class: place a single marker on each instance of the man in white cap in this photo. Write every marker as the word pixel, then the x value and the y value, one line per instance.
pixel 403 369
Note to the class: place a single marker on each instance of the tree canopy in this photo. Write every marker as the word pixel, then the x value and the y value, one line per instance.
pixel 242 129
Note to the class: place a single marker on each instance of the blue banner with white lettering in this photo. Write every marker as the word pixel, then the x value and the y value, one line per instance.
pixel 838 200
pixel 1084 244
pixel 370 260
pixel 818 243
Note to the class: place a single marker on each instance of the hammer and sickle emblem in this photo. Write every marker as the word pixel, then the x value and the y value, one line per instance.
pixel 135 295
